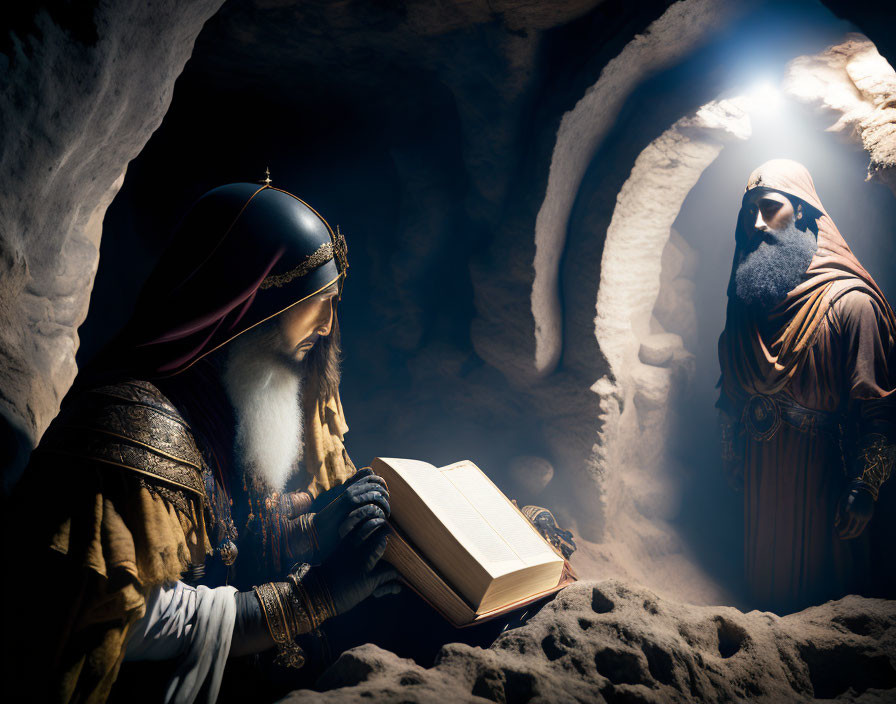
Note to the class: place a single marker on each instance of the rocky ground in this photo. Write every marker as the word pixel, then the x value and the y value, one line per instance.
pixel 611 641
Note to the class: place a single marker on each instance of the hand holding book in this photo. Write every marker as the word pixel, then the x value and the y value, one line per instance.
pixel 546 525
pixel 355 572
pixel 353 510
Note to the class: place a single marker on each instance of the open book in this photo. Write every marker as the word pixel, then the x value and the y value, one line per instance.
pixel 461 544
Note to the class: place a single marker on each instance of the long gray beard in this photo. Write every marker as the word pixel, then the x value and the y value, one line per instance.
pixel 266 396
pixel 767 273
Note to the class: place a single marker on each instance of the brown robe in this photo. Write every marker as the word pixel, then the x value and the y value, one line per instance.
pixel 829 347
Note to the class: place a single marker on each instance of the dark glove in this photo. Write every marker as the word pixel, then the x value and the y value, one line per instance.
pixel 357 507
pixel 546 525
pixel 277 612
pixel 352 573
pixel 854 510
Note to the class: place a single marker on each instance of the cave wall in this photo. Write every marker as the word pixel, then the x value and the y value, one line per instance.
pixel 646 309
pixel 856 86
pixel 83 92
pixel 490 163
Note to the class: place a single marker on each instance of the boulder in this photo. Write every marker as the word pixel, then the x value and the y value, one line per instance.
pixel 532 474
pixel 615 642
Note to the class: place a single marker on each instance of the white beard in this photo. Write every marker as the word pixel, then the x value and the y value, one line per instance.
pixel 265 394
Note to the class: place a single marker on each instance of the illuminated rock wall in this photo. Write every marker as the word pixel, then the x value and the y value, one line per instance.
pixel 82 95
pixel 855 84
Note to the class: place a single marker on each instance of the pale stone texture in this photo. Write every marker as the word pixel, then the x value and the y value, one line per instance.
pixel 574 401
pixel 610 641
pixel 75 110
pixel 679 31
pixel 531 474
pixel 675 309
pixel 644 288
pixel 855 83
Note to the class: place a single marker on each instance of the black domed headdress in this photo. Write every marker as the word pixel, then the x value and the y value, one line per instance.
pixel 242 255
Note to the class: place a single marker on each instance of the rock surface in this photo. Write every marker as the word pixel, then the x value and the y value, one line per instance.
pixel 649 365
pixel 531 474
pixel 857 85
pixel 682 29
pixel 613 642
pixel 82 95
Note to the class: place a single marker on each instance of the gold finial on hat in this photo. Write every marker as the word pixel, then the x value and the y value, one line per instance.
pixel 267 176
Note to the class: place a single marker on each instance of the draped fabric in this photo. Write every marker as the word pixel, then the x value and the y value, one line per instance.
pixel 327 463
pixel 794 479
pixel 830 347
pixel 193 625
pixel 763 355
pixel 111 539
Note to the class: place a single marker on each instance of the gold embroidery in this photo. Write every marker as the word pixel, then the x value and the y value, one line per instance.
pixel 340 251
pixel 323 254
pixel 130 425
pixel 878 458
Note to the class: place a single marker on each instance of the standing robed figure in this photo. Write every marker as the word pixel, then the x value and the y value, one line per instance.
pixel 808 407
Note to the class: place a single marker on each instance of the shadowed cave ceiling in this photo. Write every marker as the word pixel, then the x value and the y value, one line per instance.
pixel 519 185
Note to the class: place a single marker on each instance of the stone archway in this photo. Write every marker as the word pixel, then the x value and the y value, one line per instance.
pixel 644 271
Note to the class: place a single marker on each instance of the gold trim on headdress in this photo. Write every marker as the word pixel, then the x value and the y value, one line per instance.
pixel 340 248
pixel 340 251
pixel 254 325
pixel 322 255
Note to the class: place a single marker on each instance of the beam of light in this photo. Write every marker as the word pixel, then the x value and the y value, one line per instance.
pixel 765 98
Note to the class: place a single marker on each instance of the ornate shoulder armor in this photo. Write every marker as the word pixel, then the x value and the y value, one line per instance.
pixel 130 425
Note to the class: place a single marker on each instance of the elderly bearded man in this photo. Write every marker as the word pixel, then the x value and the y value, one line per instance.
pixel 807 402
pixel 155 522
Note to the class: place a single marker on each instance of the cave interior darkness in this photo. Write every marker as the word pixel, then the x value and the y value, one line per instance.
pixel 381 140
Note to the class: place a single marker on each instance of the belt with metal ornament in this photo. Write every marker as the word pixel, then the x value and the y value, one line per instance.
pixel 762 416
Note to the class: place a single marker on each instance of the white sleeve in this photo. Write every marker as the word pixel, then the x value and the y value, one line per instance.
pixel 193 625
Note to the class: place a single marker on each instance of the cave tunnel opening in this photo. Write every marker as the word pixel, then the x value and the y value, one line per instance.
pixel 398 170
pixel 539 201
pixel 660 337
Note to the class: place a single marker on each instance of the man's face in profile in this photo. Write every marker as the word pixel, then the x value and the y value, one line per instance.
pixel 263 373
pixel 305 323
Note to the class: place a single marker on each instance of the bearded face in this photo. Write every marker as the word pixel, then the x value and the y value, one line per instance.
pixel 264 379
pixel 773 261
pixel 264 384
